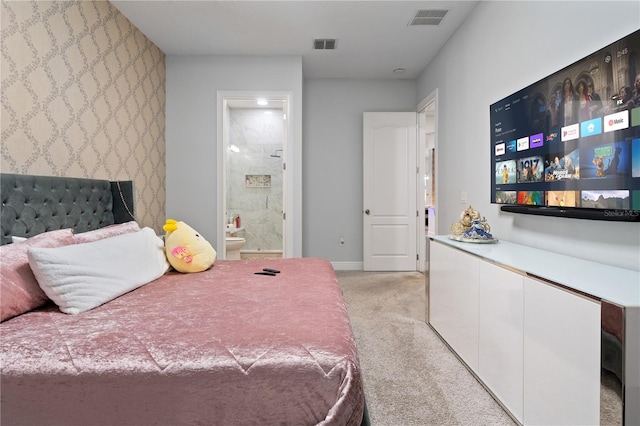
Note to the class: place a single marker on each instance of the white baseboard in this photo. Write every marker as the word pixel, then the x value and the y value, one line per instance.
pixel 347 266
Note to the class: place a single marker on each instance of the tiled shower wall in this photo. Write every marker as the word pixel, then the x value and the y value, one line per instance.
pixel 258 134
pixel 83 95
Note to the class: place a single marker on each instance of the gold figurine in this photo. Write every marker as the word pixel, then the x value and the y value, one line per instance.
pixel 468 219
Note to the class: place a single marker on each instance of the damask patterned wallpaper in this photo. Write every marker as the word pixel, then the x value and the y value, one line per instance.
pixel 83 95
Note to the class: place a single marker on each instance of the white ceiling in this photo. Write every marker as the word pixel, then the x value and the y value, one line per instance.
pixel 373 37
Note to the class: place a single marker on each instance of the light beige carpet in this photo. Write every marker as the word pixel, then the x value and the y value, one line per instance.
pixel 410 376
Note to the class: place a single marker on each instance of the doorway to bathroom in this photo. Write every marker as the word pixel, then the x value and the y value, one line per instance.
pixel 254 178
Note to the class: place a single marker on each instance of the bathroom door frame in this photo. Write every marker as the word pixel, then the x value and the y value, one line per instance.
pixel 290 165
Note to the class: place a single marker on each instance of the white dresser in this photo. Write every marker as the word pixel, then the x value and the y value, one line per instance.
pixel 529 324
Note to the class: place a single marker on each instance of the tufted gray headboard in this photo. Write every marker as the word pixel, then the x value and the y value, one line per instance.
pixel 35 204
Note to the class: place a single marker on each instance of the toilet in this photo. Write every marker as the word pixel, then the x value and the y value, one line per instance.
pixel 233 246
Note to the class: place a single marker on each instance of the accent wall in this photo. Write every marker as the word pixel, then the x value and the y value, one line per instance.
pixel 83 95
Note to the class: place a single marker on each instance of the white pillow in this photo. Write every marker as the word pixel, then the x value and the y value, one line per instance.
pixel 15 239
pixel 81 277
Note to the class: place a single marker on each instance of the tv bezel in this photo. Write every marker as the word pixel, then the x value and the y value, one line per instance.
pixel 574 212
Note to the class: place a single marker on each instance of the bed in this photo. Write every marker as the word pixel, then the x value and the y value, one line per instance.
pixel 224 346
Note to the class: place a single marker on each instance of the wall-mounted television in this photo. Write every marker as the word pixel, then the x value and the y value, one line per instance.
pixel 569 144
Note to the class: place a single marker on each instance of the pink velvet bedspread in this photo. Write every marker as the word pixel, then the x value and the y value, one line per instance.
pixel 220 347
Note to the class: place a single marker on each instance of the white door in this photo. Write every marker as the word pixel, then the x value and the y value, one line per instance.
pixel 390 213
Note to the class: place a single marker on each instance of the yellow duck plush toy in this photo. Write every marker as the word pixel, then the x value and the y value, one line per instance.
pixel 186 250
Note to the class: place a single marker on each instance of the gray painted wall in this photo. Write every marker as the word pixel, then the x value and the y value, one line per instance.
pixel 332 160
pixel 191 127
pixel 489 58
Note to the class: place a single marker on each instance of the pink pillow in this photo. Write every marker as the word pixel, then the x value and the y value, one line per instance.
pixel 19 291
pixel 106 232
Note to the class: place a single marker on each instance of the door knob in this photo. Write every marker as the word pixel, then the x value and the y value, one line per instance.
pixel 367 211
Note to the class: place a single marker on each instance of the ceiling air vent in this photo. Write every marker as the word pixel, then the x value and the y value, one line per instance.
pixel 324 44
pixel 428 17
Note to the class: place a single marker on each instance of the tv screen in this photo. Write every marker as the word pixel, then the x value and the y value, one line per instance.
pixel 569 144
